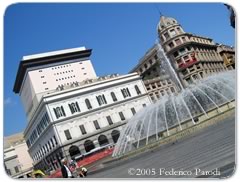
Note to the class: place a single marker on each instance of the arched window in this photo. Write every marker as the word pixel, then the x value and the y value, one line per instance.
pixel 114 98
pixel 102 140
pixel 89 106
pixel 74 151
pixel 137 89
pixel 101 100
pixel 74 107
pixel 59 112
pixel 88 145
pixel 125 92
pixel 115 135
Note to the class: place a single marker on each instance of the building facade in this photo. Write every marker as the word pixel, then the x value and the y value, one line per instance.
pixel 70 120
pixel 228 55
pixel 39 74
pixel 157 81
pixel 17 161
pixel 192 56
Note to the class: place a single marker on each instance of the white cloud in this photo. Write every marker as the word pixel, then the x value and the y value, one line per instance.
pixel 9 101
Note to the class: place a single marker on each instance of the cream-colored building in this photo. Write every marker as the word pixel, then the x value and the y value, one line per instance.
pixel 17 160
pixel 156 80
pixel 192 56
pixel 228 55
pixel 44 74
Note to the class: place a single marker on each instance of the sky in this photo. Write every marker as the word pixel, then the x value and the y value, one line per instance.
pixel 118 34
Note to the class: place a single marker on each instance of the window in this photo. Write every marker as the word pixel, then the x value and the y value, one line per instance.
pixel 95 122
pixel 67 134
pixel 185 57
pixel 44 149
pixel 179 30
pixel 181 51
pixel 52 144
pixel 56 143
pixel 175 54
pixel 137 89
pixel 171 45
pixel 42 76
pixel 188 80
pixel 188 48
pixel 9 171
pixel 145 65
pixel 162 39
pixel 162 92
pixel 49 145
pixel 59 112
pixel 114 98
pixel 166 35
pixel 184 72
pixel 109 119
pixel 153 86
pixel 183 39
pixel 133 111
pixel 178 42
pixel 150 61
pixel 179 61
pixel 144 105
pixel 83 130
pixel 172 33
pixel 141 70
pixel 172 89
pixel 89 106
pixel 74 107
pixel 125 92
pixel 16 169
pixel 122 117
pixel 28 143
pixel 195 77
pixel 101 100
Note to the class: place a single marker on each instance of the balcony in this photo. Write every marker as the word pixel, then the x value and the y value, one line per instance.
pixel 187 64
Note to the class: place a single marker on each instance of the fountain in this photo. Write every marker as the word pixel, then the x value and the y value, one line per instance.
pixel 177 111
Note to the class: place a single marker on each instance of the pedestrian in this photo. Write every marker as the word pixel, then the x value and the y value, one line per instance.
pixel 82 172
pixel 66 172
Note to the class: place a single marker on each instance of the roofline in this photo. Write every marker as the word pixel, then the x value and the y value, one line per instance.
pixel 143 58
pixel 39 61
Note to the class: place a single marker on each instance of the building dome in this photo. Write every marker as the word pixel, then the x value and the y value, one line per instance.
pixel 166 22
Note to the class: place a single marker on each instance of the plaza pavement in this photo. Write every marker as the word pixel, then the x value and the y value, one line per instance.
pixel 210 148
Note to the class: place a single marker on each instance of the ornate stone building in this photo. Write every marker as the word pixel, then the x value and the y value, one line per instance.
pixel 17 161
pixel 192 56
pixel 157 82
pixel 228 55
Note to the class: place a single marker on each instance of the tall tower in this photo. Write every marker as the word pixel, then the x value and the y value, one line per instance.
pixel 44 73
pixel 192 56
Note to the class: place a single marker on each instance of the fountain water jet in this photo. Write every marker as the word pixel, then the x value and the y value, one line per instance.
pixel 172 111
